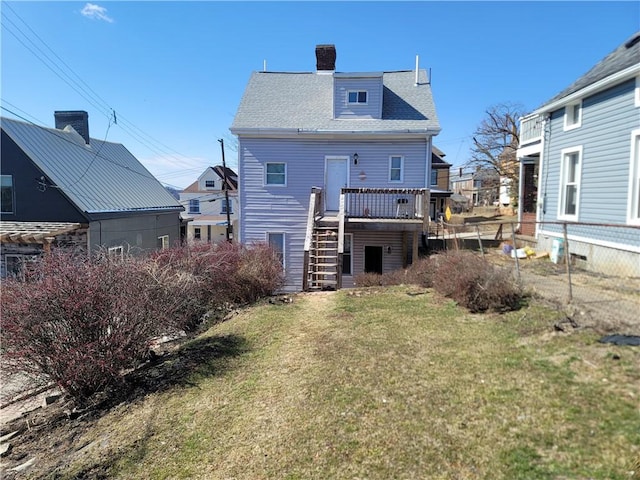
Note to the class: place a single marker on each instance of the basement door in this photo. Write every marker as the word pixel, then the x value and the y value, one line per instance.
pixel 336 176
pixel 372 259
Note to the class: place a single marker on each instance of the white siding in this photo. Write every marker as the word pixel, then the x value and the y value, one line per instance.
pixel 284 209
pixel 373 108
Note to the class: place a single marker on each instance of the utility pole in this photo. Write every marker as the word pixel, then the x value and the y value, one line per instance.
pixel 225 187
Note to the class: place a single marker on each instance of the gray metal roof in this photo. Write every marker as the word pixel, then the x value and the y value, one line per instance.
pixel 99 177
pixel 304 102
pixel 623 57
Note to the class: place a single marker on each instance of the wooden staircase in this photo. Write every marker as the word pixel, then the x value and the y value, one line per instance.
pixel 323 265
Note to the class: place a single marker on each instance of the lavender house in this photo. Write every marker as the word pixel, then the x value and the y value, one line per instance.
pixel 335 169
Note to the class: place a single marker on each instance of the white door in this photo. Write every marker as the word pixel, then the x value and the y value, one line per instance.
pixel 336 177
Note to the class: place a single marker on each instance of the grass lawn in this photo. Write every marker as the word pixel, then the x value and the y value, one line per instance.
pixel 381 384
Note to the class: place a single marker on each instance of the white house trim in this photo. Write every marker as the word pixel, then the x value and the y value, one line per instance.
pixel 591 241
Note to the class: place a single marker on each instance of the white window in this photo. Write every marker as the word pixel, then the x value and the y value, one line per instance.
pixel 226 206
pixel 347 262
pixel 276 174
pixel 116 252
pixel 6 194
pixel 209 184
pixel 396 173
pixel 276 241
pixel 633 215
pixel 637 95
pixel 194 206
pixel 569 196
pixel 573 116
pixel 163 242
pixel 357 96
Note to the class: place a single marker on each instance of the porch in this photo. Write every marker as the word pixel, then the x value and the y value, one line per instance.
pixel 399 210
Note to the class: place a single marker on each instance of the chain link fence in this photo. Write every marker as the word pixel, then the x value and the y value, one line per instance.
pixel 591 270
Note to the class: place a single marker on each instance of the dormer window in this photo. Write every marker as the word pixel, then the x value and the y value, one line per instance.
pixel 357 97
pixel 209 184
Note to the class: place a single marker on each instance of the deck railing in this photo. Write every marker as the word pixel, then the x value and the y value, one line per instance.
pixel 531 129
pixel 386 203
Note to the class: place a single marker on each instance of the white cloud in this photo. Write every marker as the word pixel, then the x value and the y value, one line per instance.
pixel 96 12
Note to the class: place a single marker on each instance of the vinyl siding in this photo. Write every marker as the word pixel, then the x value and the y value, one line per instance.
pixel 607 121
pixel 344 110
pixel 284 209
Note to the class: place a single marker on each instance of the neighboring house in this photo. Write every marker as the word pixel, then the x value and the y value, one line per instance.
pixel 439 185
pixel 466 185
pixel 61 187
pixel 580 163
pixel 335 169
pixel 481 188
pixel 206 205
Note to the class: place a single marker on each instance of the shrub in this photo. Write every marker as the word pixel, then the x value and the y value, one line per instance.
pixel 77 321
pixel 202 277
pixel 82 322
pixel 259 273
pixel 474 283
pixel 419 273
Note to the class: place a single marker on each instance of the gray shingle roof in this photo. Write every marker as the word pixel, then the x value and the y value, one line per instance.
pixel 304 101
pixel 625 56
pixel 99 177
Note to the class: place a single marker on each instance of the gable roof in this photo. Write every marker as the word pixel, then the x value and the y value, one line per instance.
pixel 626 56
pixel 436 158
pixel 232 179
pixel 99 177
pixel 303 103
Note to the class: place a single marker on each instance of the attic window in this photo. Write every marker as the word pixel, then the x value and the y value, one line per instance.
pixel 209 184
pixel 357 97
pixel 573 116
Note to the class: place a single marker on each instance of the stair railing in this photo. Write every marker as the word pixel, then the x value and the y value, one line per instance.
pixel 315 206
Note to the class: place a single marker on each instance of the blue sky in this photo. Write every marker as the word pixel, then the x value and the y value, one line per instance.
pixel 174 72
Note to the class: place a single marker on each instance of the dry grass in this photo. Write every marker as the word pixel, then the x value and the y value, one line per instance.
pixel 384 383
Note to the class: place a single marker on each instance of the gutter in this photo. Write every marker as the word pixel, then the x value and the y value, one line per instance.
pixel 303 131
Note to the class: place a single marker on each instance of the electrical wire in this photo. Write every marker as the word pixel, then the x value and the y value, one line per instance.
pixel 87 93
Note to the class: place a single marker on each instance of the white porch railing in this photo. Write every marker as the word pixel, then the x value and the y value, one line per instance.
pixel 531 129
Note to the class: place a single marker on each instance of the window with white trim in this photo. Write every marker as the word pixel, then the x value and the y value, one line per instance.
pixel 6 194
pixel 573 116
pixel 276 241
pixel 209 184
pixel 633 215
pixel 357 97
pixel 396 168
pixel 569 196
pixel 275 174
pixel 197 233
pixel 434 176
pixel 637 93
pixel 116 253
pixel 347 258
pixel 163 242
pixel 194 206
pixel 225 206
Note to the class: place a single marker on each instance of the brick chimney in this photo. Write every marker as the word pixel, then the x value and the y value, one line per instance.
pixel 325 58
pixel 78 119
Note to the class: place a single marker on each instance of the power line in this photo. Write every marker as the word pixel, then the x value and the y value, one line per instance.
pixel 87 93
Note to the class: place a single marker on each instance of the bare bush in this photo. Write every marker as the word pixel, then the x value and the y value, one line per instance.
pixel 79 322
pixel 475 283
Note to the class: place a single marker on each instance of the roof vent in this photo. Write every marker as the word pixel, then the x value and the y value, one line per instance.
pixel 635 39
pixel 78 119
pixel 326 58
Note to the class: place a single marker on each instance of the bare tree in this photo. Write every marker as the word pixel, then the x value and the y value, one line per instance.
pixel 495 142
